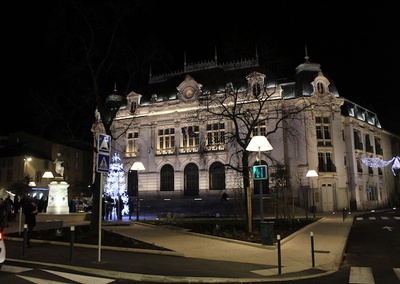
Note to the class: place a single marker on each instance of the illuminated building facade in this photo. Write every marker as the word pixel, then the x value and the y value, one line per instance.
pixel 184 151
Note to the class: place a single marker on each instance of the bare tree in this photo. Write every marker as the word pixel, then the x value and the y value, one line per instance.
pixel 248 109
pixel 100 56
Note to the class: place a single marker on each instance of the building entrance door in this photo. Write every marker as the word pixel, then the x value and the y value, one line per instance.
pixel 327 197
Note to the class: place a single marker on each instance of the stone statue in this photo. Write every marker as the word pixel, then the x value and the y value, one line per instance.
pixel 59 167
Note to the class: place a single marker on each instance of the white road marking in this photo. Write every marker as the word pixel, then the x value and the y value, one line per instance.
pixel 397 271
pixel 40 280
pixel 81 278
pixel 362 275
pixel 14 269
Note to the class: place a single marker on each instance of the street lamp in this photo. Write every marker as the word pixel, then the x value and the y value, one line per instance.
pixel 311 174
pixel 258 144
pixel 137 166
pixel 47 175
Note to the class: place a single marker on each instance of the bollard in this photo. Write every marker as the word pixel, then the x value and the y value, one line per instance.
pixel 25 240
pixel 278 237
pixel 312 249
pixel 71 244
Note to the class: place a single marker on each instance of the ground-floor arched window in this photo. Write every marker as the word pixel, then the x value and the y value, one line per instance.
pixel 167 178
pixel 217 176
pixel 191 180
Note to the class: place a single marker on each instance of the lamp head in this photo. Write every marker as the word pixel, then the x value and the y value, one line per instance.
pixel 137 166
pixel 311 173
pixel 259 143
pixel 48 175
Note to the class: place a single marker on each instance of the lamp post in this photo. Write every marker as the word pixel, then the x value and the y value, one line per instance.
pixel 137 166
pixel 311 174
pixel 258 144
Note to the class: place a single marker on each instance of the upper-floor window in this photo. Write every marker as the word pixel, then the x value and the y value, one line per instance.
pixel 320 88
pixel 357 140
pixel 325 162
pixel 132 145
pixel 166 141
pixel 359 165
pixel 378 146
pixel 260 130
pixel 323 126
pixel 215 136
pixel 368 147
pixel 190 139
pixel 256 90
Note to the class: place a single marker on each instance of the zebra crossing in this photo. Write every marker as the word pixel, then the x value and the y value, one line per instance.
pixel 52 276
pixel 375 218
pixel 364 275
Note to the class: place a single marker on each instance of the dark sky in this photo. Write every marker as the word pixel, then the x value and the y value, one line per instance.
pixel 356 43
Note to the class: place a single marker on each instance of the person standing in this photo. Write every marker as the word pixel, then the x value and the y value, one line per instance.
pixel 131 207
pixel 31 211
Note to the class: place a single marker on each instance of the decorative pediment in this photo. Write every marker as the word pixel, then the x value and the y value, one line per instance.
pixel 189 90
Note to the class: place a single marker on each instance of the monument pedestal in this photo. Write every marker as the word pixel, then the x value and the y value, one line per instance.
pixel 58 197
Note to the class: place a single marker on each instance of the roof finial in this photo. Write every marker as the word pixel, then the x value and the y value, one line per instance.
pixel 184 58
pixel 115 87
pixel 216 56
pixel 306 57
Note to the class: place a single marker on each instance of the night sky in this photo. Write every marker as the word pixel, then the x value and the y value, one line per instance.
pixel 356 43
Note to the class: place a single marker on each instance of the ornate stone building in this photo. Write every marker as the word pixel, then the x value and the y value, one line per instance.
pixel 185 153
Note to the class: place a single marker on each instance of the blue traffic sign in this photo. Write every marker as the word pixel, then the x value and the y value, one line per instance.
pixel 104 143
pixel 103 163
pixel 260 172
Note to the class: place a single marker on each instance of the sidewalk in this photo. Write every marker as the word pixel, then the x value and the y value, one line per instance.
pixel 248 262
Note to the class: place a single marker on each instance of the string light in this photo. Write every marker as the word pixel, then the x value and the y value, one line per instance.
pixel 116 183
pixel 379 163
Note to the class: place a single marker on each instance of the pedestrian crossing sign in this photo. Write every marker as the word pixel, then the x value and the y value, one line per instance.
pixel 104 142
pixel 103 163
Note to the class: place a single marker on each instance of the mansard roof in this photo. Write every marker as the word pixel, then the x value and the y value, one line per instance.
pixel 213 76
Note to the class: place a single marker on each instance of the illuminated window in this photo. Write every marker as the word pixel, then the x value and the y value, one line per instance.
pixel 215 136
pixel 190 139
pixel 166 141
pixel 132 144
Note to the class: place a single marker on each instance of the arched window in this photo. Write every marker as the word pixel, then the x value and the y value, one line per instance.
pixel 191 180
pixel 167 178
pixel 217 176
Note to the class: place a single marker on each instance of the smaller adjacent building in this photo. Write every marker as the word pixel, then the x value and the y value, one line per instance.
pixel 25 158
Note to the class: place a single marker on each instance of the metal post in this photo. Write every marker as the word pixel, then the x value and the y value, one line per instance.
pixel 24 243
pixel 137 197
pixel 312 249
pixel 71 243
pixel 278 237
pixel 100 217
pixel 313 198
pixel 261 190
